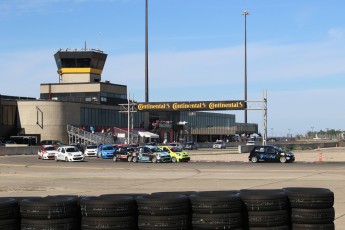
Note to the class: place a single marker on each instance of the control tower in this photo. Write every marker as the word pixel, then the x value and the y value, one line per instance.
pixel 80 65
pixel 80 79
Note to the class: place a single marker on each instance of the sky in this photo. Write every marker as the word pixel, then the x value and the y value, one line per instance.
pixel 295 53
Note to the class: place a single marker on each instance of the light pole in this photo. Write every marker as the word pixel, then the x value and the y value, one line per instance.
pixel 146 54
pixel 245 13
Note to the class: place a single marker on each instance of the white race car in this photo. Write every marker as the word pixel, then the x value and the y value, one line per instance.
pixel 69 153
pixel 46 152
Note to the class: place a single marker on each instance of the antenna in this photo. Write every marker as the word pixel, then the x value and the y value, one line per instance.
pixel 85 45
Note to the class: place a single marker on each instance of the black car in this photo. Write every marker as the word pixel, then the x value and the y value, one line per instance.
pixel 191 145
pixel 270 153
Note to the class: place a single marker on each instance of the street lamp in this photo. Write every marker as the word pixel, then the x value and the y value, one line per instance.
pixel 245 13
pixel 146 54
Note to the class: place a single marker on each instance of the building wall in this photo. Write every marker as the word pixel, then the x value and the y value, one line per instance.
pixel 49 119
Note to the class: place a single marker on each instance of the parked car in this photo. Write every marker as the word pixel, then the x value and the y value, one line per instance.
pixel 176 154
pixel 150 154
pixel 78 146
pixel 219 145
pixel 47 152
pixel 175 145
pixel 69 153
pixel 105 151
pixel 55 143
pixel 270 153
pixel 123 153
pixel 90 150
pixel 191 145
pixel 251 143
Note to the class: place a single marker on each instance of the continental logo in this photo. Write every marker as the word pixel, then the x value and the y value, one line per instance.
pixel 192 106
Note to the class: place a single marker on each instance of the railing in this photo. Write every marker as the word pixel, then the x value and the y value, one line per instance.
pixel 77 135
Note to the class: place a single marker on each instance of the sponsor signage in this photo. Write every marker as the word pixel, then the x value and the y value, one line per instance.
pixel 192 106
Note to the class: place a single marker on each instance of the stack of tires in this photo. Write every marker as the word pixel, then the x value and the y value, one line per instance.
pixel 9 214
pixel 116 212
pixel 60 212
pixel 265 209
pixel 163 211
pixel 311 208
pixel 216 210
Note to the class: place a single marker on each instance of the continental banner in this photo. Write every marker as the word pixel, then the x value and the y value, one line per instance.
pixel 192 106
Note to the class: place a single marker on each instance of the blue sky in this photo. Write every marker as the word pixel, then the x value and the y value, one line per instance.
pixel 295 51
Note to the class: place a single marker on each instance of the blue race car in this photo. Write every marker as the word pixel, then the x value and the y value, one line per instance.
pixel 106 151
pixel 150 154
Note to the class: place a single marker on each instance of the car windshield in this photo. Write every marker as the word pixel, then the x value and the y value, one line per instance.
pixel 279 149
pixel 91 147
pixel 157 150
pixel 108 148
pixel 71 150
pixel 49 148
pixel 176 149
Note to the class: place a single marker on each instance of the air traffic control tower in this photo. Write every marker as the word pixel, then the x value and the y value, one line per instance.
pixel 80 79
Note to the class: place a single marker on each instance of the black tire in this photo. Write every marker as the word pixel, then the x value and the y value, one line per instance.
pixel 282 160
pixel 154 160
pixel 186 193
pixel 268 218
pixel 116 223
pixel 213 203
pixel 329 226
pixel 312 216
pixel 10 224
pixel 53 224
pixel 108 206
pixel 217 221
pixel 173 222
pixel 49 207
pixel 264 199
pixel 300 197
pixel 163 205
pixel 284 227
pixel 9 209
pixel 254 160
pixel 173 159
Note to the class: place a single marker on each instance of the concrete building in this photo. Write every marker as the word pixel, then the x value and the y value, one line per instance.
pixel 81 99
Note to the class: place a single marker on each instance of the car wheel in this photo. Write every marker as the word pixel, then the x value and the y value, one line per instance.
pixel 129 158
pixel 135 159
pixel 173 159
pixel 56 159
pixel 66 159
pixel 282 160
pixel 114 158
pixel 154 160
pixel 254 159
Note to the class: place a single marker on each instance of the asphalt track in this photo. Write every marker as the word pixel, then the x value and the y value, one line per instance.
pixel 22 176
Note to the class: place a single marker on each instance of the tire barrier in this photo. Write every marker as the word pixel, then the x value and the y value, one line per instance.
pixel 60 212
pixel 163 211
pixel 311 208
pixel 293 208
pixel 9 214
pixel 265 209
pixel 108 212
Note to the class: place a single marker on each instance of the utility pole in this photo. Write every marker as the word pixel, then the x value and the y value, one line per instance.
pixel 245 13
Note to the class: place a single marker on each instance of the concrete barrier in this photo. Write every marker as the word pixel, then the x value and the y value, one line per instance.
pixel 18 150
